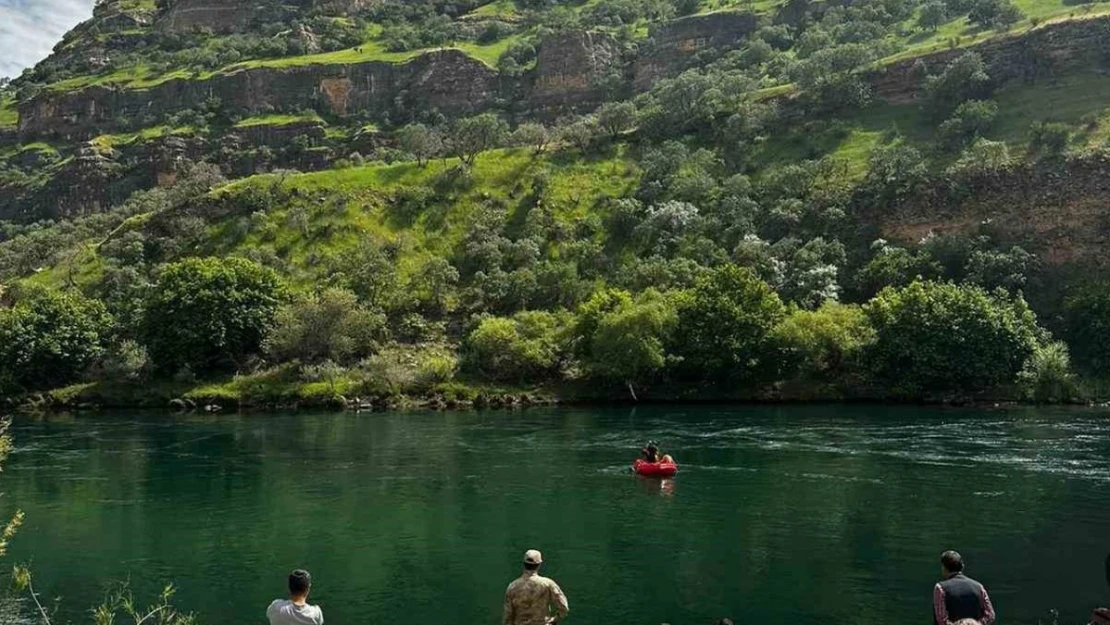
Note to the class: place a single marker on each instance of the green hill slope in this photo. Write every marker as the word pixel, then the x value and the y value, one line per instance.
pixel 520 195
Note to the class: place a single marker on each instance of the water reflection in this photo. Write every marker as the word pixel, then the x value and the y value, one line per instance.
pixel 656 486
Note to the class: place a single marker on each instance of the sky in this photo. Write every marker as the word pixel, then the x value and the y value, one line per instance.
pixel 30 28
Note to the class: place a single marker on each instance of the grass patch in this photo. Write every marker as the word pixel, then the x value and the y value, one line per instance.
pixel 748 6
pixel 135 77
pixel 490 53
pixel 279 120
pixel 499 9
pixel 960 33
pixel 1075 99
pixel 363 53
pixel 330 212
pixel 9 115
pixel 109 141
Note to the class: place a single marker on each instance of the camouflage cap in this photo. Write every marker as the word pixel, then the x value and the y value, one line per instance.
pixel 533 557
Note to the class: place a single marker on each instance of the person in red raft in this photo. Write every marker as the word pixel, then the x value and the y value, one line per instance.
pixel 653 463
pixel 651 454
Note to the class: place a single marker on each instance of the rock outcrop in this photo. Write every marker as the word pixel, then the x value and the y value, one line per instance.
pixel 1058 212
pixel 232 16
pixel 280 136
pixel 673 45
pixel 576 71
pixel 445 80
pixel 1027 55
pixel 218 16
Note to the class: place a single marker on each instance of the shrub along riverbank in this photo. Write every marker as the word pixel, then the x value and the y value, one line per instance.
pixel 227 332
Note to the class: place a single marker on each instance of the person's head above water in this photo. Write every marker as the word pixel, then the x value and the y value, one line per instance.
pixel 300 582
pixel 532 560
pixel 652 446
pixel 951 562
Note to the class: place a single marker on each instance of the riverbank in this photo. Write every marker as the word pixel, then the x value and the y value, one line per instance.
pixel 285 389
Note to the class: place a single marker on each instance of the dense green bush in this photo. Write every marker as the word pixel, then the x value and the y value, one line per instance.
pixel 1087 326
pixel 964 79
pixel 330 325
pixel 1047 376
pixel 621 339
pixel 827 343
pixel 724 325
pixel 970 121
pixel 49 338
pixel 210 314
pixel 530 346
pixel 942 337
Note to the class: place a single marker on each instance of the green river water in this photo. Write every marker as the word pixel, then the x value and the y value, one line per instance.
pixel 798 515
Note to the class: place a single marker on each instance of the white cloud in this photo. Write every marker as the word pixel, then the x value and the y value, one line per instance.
pixel 30 28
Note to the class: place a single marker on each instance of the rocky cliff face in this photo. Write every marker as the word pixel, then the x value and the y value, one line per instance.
pixel 673 45
pixel 576 71
pixel 231 16
pixel 1029 55
pixel 219 16
pixel 1058 212
pixel 573 72
pixel 447 80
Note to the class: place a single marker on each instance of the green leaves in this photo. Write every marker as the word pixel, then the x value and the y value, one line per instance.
pixel 526 347
pixel 940 337
pixel 210 314
pixel 49 338
pixel 724 324
pixel 626 338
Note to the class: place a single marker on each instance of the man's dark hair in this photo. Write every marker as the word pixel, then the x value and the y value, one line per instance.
pixel 531 566
pixel 952 561
pixel 724 621
pixel 299 582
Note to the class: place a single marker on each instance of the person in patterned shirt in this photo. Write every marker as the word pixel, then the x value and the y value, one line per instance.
pixel 958 598
pixel 532 599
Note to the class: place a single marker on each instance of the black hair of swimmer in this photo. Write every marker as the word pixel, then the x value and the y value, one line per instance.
pixel 299 583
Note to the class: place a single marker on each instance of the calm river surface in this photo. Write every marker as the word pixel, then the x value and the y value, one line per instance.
pixel 799 515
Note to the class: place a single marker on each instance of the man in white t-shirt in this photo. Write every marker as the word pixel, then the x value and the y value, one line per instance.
pixel 296 610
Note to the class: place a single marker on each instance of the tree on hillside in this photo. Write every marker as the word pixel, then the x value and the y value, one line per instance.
pixel 629 341
pixel 970 121
pixel 998 14
pixel 532 134
pixel 471 136
pixel 578 131
pixel 616 117
pixel 49 338
pixel 1048 140
pixel 527 347
pixel 330 325
pixel 964 79
pixel 830 76
pixel 210 314
pixel 723 326
pixel 422 142
pixel 1087 325
pixel 826 343
pixel 933 15
pixel 941 337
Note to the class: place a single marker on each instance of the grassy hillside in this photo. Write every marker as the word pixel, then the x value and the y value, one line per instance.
pixel 720 234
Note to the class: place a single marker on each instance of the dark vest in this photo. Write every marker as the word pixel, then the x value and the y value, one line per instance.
pixel 962 597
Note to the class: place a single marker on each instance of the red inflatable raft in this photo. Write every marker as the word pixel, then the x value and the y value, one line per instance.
pixel 654 469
